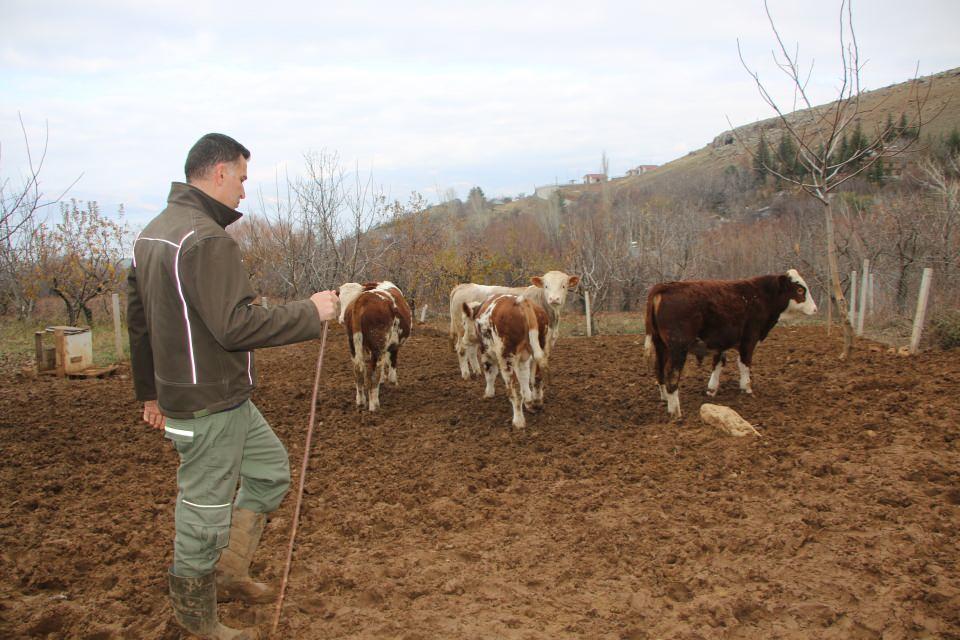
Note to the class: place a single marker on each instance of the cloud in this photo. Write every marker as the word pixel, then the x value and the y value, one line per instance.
pixel 424 93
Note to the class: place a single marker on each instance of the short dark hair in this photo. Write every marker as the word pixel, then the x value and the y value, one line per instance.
pixel 210 150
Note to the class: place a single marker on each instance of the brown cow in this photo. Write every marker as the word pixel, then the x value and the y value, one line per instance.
pixel 720 314
pixel 548 291
pixel 377 320
pixel 515 339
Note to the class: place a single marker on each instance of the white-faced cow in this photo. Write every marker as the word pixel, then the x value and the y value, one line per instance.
pixel 549 291
pixel 720 315
pixel 514 339
pixel 377 320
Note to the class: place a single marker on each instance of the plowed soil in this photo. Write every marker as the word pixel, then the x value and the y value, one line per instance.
pixel 434 519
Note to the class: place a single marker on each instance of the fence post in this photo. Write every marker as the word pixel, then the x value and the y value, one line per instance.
pixel 117 335
pixel 851 309
pixel 829 313
pixel 870 304
pixel 863 296
pixel 586 302
pixel 264 302
pixel 423 314
pixel 921 314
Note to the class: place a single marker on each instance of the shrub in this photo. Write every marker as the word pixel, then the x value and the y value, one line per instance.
pixel 946 329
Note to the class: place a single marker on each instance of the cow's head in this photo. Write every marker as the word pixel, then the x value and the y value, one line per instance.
pixel 799 299
pixel 469 311
pixel 555 285
pixel 348 293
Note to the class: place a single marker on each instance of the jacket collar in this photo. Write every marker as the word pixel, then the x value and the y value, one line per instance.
pixel 185 194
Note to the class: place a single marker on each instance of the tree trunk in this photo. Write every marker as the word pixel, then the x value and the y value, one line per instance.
pixel 902 287
pixel 842 314
pixel 73 311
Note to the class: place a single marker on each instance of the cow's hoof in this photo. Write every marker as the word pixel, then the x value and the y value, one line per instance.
pixel 711 392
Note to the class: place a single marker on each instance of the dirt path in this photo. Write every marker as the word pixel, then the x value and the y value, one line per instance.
pixel 433 520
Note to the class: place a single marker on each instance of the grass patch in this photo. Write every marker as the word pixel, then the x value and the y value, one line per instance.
pixel 17 343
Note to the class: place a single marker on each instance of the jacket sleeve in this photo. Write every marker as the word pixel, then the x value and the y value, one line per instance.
pixel 141 353
pixel 217 288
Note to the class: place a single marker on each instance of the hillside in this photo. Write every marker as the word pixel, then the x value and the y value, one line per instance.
pixel 941 90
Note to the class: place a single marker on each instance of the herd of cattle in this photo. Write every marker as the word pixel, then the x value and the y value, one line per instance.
pixel 513 330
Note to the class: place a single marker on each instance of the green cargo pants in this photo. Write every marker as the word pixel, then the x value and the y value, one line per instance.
pixel 215 452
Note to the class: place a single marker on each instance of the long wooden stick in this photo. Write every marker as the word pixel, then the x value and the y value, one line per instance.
pixel 303 476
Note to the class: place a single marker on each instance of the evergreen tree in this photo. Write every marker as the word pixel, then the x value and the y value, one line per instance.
pixel 877 171
pixel 889 131
pixel 843 153
pixel 953 143
pixel 761 161
pixel 858 142
pixel 476 199
pixel 787 156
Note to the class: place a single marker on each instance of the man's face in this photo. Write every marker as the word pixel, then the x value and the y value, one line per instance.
pixel 232 176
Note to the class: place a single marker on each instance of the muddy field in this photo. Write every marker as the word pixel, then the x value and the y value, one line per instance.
pixel 603 520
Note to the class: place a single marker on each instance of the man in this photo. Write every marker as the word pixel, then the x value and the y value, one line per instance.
pixel 193 327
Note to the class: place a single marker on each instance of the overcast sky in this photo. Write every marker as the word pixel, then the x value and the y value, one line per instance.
pixel 426 95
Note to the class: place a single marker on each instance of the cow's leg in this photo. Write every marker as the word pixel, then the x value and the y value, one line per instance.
pixel 660 365
pixel 372 380
pixel 674 367
pixel 358 376
pixel 714 384
pixel 746 357
pixel 536 385
pixel 507 370
pixel 394 353
pixel 525 378
pixel 356 351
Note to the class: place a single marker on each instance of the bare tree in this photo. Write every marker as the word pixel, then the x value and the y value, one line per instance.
pixel 20 207
pixel 817 138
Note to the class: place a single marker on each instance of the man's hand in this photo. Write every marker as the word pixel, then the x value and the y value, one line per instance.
pixel 152 415
pixel 327 304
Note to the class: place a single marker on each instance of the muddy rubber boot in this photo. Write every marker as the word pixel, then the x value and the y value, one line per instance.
pixel 233 568
pixel 194 603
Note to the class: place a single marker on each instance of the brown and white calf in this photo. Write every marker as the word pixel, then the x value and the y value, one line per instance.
pixel 515 340
pixel 720 314
pixel 377 320
pixel 549 291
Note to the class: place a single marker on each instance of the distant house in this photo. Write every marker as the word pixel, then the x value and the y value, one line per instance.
pixel 594 178
pixel 641 169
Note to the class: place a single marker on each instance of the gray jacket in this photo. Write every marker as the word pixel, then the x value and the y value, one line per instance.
pixel 192 322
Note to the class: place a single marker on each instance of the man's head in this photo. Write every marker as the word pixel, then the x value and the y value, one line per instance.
pixel 217 165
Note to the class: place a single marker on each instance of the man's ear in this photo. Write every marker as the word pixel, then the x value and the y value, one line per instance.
pixel 537 281
pixel 573 281
pixel 219 173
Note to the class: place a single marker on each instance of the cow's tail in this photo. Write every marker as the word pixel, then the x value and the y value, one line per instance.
pixel 650 327
pixel 533 331
pixel 454 317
